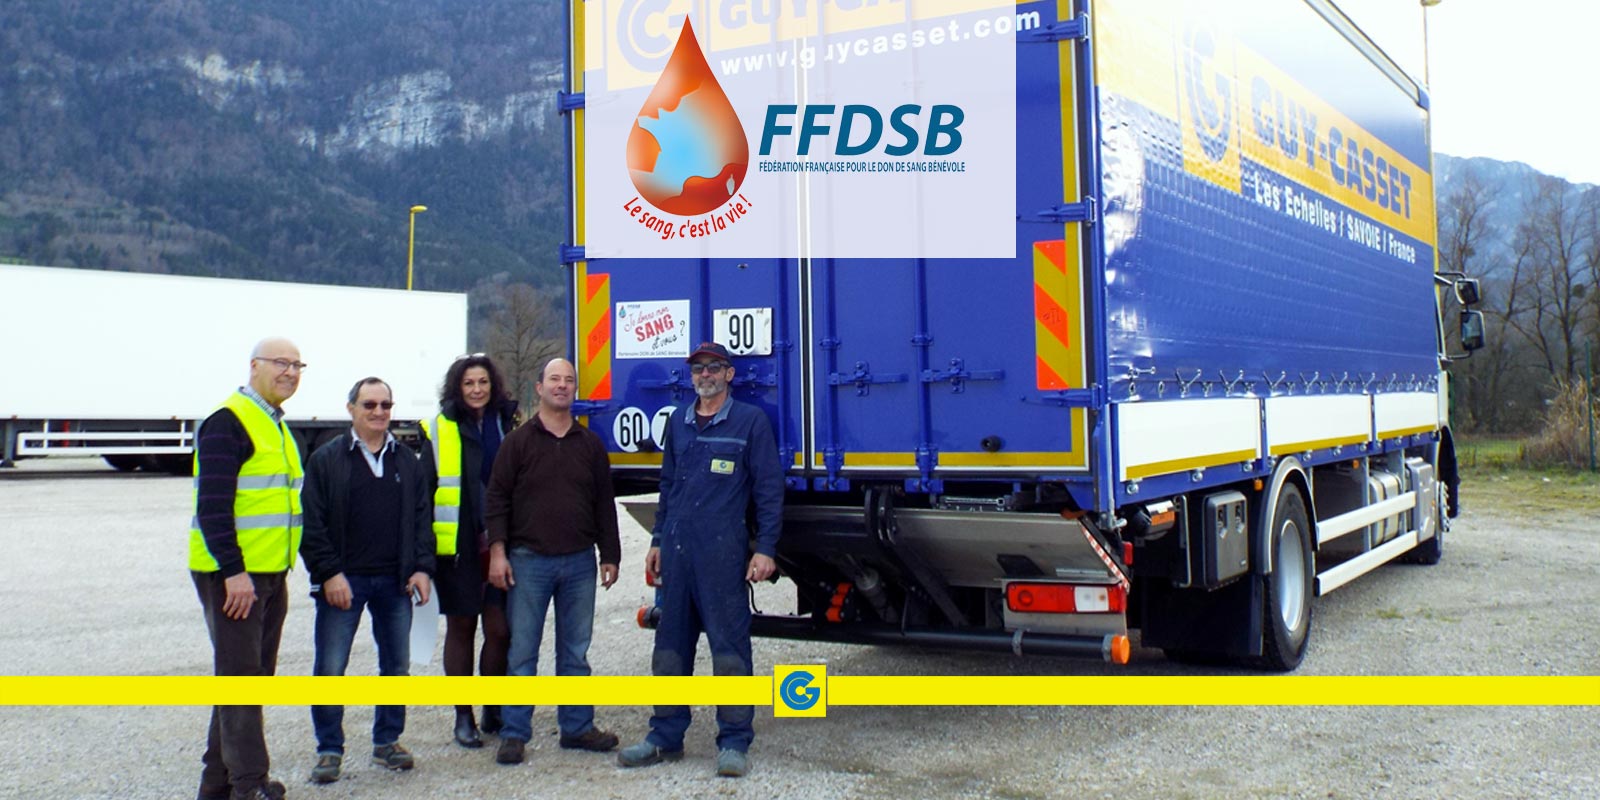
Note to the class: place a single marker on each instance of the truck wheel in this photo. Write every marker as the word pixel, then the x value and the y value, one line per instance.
pixel 1287 625
pixel 123 463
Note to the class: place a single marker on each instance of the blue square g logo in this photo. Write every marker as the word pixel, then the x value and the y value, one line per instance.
pixel 800 691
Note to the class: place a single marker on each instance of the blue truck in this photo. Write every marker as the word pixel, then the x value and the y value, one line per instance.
pixel 1209 387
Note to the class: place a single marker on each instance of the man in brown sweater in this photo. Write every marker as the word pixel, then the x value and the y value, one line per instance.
pixel 548 507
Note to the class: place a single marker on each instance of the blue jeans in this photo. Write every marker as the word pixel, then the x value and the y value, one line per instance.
pixel 386 599
pixel 570 581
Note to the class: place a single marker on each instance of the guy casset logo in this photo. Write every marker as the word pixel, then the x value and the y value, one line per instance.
pixel 687 151
pixel 1210 93
pixel 801 691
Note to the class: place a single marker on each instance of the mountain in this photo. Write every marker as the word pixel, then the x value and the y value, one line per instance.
pixel 284 140
pixel 1510 189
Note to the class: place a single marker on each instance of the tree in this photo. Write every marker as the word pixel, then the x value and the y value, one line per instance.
pixel 1551 275
pixel 1480 389
pixel 522 334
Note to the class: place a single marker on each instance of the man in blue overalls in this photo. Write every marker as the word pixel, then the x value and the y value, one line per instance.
pixel 718 457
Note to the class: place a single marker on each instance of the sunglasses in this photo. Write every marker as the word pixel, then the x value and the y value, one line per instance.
pixel 715 368
pixel 465 356
pixel 371 404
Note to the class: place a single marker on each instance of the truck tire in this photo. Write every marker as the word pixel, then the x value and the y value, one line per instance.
pixel 123 463
pixel 1286 627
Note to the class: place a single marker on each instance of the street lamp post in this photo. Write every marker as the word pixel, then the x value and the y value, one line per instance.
pixel 410 248
pixel 1426 79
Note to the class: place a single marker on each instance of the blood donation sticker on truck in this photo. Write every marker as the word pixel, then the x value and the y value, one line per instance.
pixel 655 329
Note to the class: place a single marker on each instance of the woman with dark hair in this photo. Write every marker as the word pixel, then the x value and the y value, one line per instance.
pixel 475 413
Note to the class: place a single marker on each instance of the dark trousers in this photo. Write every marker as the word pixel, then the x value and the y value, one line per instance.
pixel 236 744
pixel 705 594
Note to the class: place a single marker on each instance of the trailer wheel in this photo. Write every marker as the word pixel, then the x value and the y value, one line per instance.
pixel 124 463
pixel 1287 625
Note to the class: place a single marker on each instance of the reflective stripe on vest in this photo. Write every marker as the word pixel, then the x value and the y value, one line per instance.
pixel 266 501
pixel 446 436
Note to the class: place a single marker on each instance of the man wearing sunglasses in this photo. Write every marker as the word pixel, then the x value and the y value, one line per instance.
pixel 368 544
pixel 719 458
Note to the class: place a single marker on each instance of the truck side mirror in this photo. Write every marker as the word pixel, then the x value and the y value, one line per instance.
pixel 1467 292
pixel 1471 329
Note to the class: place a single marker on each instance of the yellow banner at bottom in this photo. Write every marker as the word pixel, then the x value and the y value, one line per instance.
pixel 633 690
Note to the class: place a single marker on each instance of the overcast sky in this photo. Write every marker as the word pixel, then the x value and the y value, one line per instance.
pixel 1514 81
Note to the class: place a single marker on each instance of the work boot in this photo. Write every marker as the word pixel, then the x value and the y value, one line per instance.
pixel 393 756
pixel 467 729
pixel 270 790
pixel 732 763
pixel 491 720
pixel 221 791
pixel 510 751
pixel 593 740
pixel 327 768
pixel 644 754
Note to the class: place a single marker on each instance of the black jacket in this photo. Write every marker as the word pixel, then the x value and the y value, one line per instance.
pixel 324 502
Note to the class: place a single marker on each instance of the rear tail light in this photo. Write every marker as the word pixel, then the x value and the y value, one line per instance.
pixel 1066 598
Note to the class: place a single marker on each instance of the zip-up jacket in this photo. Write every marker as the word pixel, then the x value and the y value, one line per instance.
pixel 326 507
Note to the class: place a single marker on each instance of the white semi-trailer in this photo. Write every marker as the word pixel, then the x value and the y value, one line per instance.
pixel 123 365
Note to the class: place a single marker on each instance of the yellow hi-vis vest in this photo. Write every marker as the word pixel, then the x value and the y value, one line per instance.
pixel 446 437
pixel 266 504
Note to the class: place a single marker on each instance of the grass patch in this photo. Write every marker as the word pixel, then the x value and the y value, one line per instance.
pixel 1472 451
pixel 1514 489
pixel 1390 613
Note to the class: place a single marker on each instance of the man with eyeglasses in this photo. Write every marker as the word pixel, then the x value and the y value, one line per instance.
pixel 368 544
pixel 242 542
pixel 719 458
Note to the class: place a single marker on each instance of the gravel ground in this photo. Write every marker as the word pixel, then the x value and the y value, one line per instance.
pixel 95 584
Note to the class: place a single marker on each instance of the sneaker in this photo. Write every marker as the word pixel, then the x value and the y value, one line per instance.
pixel 593 740
pixel 510 751
pixel 732 763
pixel 393 756
pixel 327 768
pixel 644 754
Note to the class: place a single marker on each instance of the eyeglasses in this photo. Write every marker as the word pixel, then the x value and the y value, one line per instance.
pixel 371 404
pixel 714 368
pixel 465 356
pixel 283 364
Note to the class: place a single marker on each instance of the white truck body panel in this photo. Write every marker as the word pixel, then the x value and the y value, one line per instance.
pixel 95 345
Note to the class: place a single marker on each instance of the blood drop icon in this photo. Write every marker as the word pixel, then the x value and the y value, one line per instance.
pixel 687 152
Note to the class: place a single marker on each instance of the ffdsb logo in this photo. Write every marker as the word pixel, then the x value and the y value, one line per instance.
pixel 864 125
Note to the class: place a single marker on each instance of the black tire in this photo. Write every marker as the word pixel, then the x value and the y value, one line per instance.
pixel 1286 612
pixel 123 463
pixel 181 466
